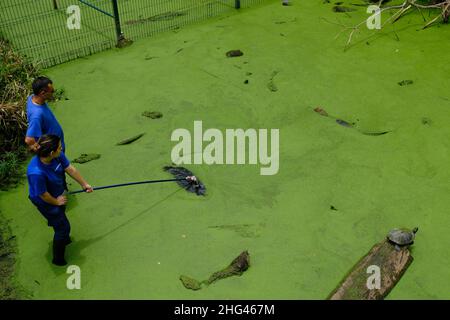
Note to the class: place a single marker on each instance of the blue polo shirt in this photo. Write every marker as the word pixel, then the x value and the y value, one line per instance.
pixel 41 120
pixel 46 177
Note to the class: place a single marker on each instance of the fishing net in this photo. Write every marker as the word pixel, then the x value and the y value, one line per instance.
pixel 196 186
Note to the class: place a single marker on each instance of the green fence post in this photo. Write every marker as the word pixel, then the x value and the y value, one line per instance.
pixel 237 4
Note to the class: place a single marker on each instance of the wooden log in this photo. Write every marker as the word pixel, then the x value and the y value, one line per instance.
pixel 358 284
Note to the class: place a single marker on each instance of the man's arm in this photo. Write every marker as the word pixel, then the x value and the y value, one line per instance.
pixel 47 197
pixel 31 143
pixel 34 130
pixel 78 178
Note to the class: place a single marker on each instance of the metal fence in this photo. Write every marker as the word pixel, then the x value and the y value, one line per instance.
pixel 56 31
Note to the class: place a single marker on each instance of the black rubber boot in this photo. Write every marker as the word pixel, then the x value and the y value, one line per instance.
pixel 59 248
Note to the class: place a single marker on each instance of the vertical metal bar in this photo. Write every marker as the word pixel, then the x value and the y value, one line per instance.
pixel 237 4
pixel 117 21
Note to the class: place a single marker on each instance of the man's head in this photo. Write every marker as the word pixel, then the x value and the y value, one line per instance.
pixel 43 88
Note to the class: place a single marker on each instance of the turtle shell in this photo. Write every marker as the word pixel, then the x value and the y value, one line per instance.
pixel 402 237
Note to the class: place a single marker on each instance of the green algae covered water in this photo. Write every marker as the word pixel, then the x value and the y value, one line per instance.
pixel 337 191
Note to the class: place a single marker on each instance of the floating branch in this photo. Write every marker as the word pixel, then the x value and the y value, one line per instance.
pixel 401 11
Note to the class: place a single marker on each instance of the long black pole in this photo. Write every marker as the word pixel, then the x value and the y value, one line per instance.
pixel 128 184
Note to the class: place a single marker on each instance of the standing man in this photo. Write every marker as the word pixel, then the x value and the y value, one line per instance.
pixel 41 119
pixel 46 174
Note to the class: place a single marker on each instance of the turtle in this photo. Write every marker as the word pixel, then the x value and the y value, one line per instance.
pixel 402 237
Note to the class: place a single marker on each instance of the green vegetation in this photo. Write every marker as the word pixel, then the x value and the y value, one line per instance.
pixel 16 74
pixel 10 170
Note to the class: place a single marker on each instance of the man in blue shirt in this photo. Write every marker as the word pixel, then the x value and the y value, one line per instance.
pixel 41 119
pixel 45 173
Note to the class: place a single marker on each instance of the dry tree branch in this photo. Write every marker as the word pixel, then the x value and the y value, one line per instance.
pixel 402 9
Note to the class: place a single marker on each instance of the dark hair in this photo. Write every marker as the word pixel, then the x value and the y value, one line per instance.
pixel 47 143
pixel 40 83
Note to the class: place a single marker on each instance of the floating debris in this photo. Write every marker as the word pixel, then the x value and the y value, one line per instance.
pixel 236 268
pixel 152 114
pixel 159 17
pixel 342 9
pixel 344 123
pixel 86 157
pixel 234 53
pixel 130 140
pixel 405 82
pixel 426 121
pixel 374 133
pixel 347 124
pixel 243 230
pixel 271 85
pixel 190 283
pixel 321 111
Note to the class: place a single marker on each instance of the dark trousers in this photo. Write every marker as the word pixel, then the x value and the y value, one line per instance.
pixel 56 218
pixel 65 183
